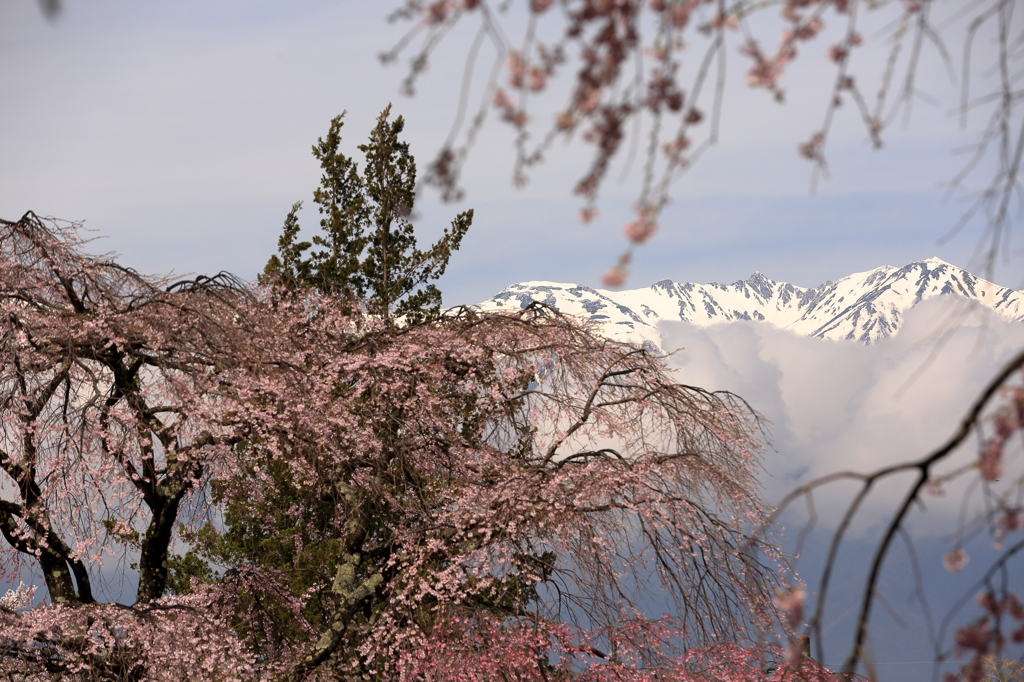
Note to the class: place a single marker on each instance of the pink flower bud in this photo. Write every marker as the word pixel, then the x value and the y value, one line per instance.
pixel 976 636
pixel 991 463
pixel 640 230
pixel 955 560
pixel 987 601
pixel 615 277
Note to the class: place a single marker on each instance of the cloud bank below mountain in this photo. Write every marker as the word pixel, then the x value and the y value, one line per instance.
pixel 836 405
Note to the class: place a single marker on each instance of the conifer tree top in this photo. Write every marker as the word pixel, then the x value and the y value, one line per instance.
pixel 366 251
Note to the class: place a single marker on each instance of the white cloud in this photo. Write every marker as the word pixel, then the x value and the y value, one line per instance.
pixel 837 406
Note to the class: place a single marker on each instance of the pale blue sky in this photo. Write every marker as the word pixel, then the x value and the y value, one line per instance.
pixel 181 131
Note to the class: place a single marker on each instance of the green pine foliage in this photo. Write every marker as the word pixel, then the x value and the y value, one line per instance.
pixel 366 251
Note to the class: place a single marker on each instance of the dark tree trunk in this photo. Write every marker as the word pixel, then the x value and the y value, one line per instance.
pixel 155 547
pixel 58 579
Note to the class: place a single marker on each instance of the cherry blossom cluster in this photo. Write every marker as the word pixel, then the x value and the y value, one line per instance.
pixel 541 653
pixel 635 58
pixel 985 635
pixel 790 603
pixel 167 640
pixel 18 598
pixel 1006 422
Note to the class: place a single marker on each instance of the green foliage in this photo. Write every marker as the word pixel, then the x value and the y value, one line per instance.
pixel 182 569
pixel 365 253
pixel 366 250
pixel 303 545
pixel 303 542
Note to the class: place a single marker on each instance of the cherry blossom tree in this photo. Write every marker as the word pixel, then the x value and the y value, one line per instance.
pixel 512 490
pixel 108 428
pixel 528 479
pixel 531 420
pixel 506 492
pixel 111 424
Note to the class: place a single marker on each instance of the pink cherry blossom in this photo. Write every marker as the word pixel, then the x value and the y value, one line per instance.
pixel 955 560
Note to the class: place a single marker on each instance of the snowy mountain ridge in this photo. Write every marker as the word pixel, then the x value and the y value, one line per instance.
pixel 864 307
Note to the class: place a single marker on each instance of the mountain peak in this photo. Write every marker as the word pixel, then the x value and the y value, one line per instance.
pixel 759 283
pixel 864 307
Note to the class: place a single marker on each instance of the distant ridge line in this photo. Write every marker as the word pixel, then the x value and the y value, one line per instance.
pixel 865 307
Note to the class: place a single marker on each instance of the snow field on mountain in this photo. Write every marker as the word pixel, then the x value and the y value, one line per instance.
pixel 865 307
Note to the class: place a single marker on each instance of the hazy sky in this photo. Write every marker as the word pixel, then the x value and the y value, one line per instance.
pixel 182 130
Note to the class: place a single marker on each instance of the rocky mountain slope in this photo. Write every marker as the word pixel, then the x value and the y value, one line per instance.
pixel 863 307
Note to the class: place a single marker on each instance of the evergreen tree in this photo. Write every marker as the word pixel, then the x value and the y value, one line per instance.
pixel 367 249
pixel 366 254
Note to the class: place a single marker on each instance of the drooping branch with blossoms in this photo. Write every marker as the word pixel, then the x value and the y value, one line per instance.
pixel 663 62
pixel 112 422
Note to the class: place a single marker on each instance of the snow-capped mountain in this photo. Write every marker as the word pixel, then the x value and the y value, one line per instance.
pixel 864 306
